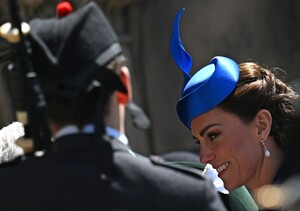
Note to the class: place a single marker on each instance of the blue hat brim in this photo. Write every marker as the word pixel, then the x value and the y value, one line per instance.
pixel 207 88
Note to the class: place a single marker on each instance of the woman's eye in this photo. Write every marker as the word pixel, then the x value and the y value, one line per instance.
pixel 212 136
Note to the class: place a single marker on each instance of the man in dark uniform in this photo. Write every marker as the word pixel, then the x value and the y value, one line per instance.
pixel 88 169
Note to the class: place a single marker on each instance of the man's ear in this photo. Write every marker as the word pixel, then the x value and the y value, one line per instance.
pixel 264 123
pixel 126 80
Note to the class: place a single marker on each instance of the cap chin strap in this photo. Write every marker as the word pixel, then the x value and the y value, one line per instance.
pixel 138 117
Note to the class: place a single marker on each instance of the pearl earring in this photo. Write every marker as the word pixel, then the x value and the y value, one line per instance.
pixel 267 152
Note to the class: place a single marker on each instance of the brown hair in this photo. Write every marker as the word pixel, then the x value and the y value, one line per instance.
pixel 79 111
pixel 259 88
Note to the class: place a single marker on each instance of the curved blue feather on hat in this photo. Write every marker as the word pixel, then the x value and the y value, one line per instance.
pixel 181 57
pixel 208 87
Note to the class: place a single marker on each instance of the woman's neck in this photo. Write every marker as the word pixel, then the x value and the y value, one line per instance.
pixel 269 166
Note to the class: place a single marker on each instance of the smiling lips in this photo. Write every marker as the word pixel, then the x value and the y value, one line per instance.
pixel 222 168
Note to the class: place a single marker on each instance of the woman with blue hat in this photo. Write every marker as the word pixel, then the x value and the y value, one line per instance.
pixel 238 113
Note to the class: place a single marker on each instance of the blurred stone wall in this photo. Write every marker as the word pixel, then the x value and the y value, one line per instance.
pixel 266 32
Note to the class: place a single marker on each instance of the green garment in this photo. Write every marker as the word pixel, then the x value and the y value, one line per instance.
pixel 237 200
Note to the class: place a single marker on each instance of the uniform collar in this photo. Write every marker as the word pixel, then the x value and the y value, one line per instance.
pixel 88 129
pixel 117 135
pixel 77 142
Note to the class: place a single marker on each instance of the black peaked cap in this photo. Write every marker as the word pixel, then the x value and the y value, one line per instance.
pixel 70 52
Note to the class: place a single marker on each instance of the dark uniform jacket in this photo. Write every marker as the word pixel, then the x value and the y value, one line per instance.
pixel 76 176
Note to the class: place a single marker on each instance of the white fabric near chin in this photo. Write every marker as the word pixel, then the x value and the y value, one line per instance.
pixel 8 135
pixel 117 135
pixel 212 173
pixel 73 129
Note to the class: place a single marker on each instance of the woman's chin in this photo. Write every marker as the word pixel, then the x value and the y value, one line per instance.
pixel 230 186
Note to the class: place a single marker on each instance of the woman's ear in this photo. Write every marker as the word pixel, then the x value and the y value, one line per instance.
pixel 126 80
pixel 264 123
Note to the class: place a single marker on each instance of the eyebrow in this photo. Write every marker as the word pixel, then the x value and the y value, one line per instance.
pixel 206 128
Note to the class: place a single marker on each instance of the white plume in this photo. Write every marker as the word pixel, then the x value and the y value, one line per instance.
pixel 8 135
pixel 212 173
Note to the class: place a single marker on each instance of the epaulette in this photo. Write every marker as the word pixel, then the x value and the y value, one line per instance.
pixel 197 173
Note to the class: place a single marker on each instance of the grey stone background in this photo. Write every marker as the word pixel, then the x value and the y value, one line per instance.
pixel 264 31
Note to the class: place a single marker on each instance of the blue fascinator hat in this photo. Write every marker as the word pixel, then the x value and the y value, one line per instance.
pixel 208 87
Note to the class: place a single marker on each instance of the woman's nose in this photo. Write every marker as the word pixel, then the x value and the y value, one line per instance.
pixel 206 156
